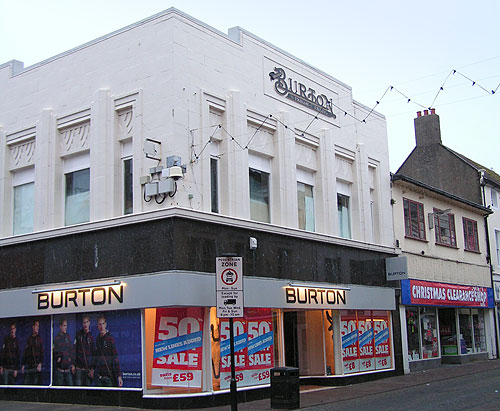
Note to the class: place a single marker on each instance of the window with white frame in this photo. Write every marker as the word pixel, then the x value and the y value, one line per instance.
pixel 77 189
pixel 494 198
pixel 128 174
pixel 23 194
pixel 344 209
pixel 259 179
pixel 305 200
pixel 497 240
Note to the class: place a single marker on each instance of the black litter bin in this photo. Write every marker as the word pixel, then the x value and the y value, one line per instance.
pixel 285 388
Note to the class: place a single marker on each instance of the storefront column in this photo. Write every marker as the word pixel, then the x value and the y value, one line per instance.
pixel 490 326
pixel 337 343
pixel 404 339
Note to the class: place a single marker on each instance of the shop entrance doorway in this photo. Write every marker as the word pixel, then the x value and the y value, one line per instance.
pixel 308 342
pixel 448 331
pixel 290 334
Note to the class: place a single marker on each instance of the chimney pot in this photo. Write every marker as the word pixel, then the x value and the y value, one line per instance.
pixel 433 111
pixel 419 114
pixel 427 130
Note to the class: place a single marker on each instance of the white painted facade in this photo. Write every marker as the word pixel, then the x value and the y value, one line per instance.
pixel 433 262
pixel 174 79
pixel 440 265
pixel 492 200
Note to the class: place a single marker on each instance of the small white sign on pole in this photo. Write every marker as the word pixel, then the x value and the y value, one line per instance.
pixel 229 286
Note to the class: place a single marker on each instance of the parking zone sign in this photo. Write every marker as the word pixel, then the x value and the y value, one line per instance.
pixel 229 286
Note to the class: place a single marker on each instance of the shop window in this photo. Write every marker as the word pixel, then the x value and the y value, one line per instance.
pixel 470 235
pixel 413 333
pixel 77 207
pixel 23 208
pixel 254 348
pixel 366 340
pixel 479 330
pixel 97 349
pixel 428 324
pixel 444 227
pixel 259 196
pixel 465 324
pixel 174 350
pixel 421 325
pixel 306 206
pixel 414 219
pixel 25 351
pixel 448 331
pixel 128 198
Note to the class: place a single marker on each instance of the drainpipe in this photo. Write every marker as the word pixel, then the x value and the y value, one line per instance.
pixel 482 182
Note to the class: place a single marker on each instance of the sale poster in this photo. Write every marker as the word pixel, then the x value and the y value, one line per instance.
pixel 350 341
pixel 177 355
pixel 253 346
pixel 382 339
pixel 366 348
pixel 366 343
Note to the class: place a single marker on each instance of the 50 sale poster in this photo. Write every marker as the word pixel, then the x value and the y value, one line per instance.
pixel 177 355
pixel 366 350
pixel 365 340
pixel 350 342
pixel 382 341
pixel 253 346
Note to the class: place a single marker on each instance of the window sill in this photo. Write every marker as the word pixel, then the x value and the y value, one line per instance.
pixel 447 246
pixel 472 251
pixel 423 240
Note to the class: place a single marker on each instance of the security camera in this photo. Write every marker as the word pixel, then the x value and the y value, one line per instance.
pixel 175 172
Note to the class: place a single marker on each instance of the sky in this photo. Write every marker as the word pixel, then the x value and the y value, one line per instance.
pixel 388 51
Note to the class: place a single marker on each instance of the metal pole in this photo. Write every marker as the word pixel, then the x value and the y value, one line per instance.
pixel 234 397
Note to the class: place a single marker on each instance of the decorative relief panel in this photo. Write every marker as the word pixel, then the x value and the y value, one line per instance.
pixel 125 123
pixel 305 156
pixel 21 148
pixel 75 138
pixel 22 154
pixel 343 168
pixel 260 140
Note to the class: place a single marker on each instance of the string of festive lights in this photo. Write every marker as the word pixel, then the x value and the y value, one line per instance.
pixel 315 117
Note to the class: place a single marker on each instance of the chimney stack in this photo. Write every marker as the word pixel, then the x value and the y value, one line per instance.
pixel 427 128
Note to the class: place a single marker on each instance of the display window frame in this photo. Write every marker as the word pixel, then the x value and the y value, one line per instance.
pixel 437 348
pixel 354 332
pixel 328 327
pixel 116 339
pixel 461 349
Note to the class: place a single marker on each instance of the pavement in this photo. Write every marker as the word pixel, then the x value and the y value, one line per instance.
pixel 311 396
